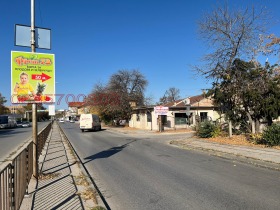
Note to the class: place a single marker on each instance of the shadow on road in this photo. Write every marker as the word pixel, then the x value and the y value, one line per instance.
pixel 7 132
pixel 107 153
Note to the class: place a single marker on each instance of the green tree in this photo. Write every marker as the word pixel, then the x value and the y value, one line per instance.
pixel 249 91
pixel 3 109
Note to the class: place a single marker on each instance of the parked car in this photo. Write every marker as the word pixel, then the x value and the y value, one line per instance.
pixel 61 120
pixel 25 124
pixel 19 123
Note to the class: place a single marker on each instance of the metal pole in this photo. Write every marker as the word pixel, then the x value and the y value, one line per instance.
pixel 34 105
pixel 33 49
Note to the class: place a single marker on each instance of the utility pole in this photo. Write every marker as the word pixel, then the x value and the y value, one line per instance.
pixel 34 105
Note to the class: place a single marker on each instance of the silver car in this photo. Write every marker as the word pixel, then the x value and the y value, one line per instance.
pixel 25 124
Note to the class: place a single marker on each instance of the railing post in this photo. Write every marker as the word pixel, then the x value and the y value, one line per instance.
pixel 12 186
pixel 27 170
pixel 35 140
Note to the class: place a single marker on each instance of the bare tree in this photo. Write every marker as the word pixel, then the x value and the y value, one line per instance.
pixel 113 100
pixel 131 85
pixel 107 103
pixel 271 45
pixel 172 94
pixel 149 100
pixel 230 35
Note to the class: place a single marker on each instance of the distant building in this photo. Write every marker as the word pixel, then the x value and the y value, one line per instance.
pixel 16 109
pixel 182 113
pixel 74 106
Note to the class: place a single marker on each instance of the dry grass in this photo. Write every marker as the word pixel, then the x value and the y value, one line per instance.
pixel 236 140
pixel 88 193
pixel 43 176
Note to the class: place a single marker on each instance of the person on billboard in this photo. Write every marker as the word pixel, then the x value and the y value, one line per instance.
pixel 24 89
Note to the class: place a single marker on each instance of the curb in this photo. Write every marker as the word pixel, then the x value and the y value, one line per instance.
pixel 231 156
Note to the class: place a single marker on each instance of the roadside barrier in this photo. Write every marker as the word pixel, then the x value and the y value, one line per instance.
pixel 16 175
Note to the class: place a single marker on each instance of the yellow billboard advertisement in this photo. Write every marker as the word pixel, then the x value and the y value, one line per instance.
pixel 32 77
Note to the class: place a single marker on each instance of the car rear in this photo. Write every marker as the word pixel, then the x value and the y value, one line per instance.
pixel 89 122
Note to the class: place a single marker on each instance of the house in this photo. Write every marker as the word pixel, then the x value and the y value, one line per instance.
pixel 16 109
pixel 181 114
pixel 77 108
pixel 74 109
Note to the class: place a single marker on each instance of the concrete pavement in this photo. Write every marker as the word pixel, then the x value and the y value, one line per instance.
pixel 268 155
pixel 62 183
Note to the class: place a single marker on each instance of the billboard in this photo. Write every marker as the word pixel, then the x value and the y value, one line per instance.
pixel 161 110
pixel 32 77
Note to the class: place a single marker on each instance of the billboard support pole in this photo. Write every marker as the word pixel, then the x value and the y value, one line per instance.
pixel 34 105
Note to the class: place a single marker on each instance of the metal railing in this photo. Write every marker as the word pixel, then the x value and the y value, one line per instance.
pixel 15 177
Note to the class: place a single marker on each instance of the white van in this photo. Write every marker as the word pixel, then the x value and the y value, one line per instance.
pixel 90 122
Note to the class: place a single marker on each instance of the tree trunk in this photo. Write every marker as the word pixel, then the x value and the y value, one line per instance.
pixel 252 123
pixel 257 125
pixel 230 129
pixel 253 127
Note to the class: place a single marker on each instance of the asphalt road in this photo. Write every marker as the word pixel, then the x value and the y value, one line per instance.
pixel 143 172
pixel 12 139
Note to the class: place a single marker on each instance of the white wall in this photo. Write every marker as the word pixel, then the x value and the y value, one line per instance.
pixel 143 124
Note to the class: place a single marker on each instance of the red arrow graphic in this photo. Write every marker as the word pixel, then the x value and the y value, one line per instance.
pixel 42 77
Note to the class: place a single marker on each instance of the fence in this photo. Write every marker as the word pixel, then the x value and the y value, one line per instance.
pixel 15 177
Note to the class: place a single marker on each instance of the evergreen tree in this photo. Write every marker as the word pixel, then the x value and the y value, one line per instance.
pixel 3 109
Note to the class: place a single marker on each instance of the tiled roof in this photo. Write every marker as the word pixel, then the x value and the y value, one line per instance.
pixel 75 104
pixel 195 99
pixel 180 103
pixel 173 103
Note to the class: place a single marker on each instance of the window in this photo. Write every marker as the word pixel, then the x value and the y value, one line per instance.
pixel 203 116
pixel 180 119
pixel 149 117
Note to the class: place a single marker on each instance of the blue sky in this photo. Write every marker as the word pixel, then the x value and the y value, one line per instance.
pixel 93 39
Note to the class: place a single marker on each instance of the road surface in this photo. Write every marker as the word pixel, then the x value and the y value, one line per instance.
pixel 144 172
pixel 12 139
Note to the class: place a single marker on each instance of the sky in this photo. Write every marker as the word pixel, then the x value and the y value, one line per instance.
pixel 93 39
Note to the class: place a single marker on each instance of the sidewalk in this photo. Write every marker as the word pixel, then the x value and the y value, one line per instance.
pixel 267 157
pixel 61 183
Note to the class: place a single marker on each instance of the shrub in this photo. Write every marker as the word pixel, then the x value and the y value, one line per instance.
pixel 271 135
pixel 256 138
pixel 208 129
